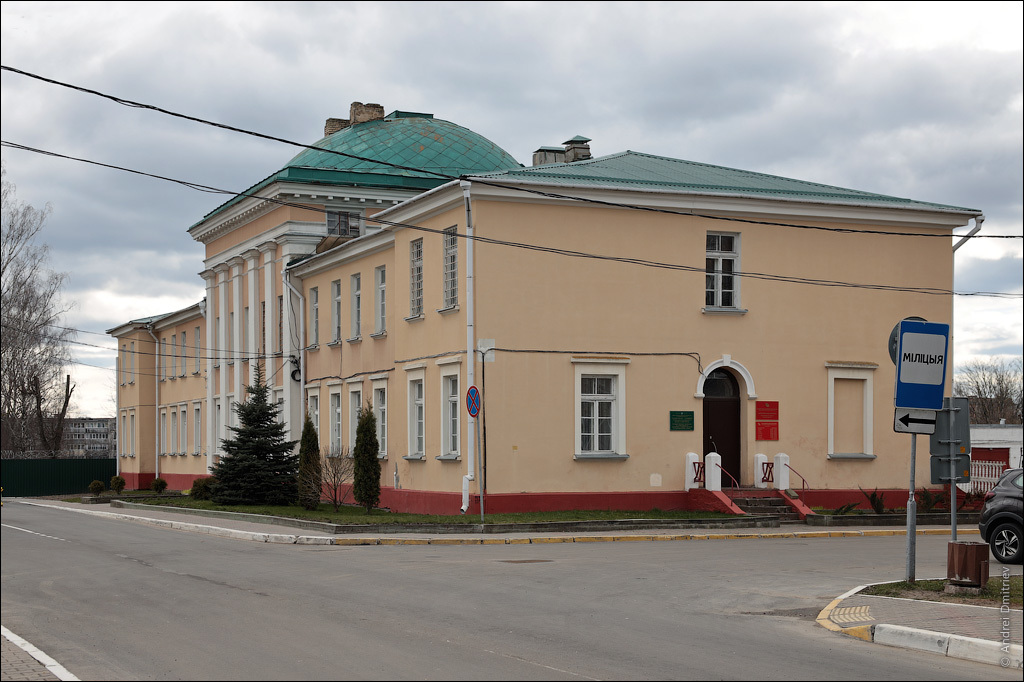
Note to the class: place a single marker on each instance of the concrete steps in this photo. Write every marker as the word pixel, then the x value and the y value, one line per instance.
pixel 761 504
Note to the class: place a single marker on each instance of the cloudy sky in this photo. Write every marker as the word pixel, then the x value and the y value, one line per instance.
pixel 919 100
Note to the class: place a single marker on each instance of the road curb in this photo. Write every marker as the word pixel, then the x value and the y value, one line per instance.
pixel 899 636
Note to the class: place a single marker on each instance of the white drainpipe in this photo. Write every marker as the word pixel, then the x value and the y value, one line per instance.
pixel 470 348
pixel 156 382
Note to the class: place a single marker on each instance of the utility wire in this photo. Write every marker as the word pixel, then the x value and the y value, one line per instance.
pixel 572 253
pixel 140 105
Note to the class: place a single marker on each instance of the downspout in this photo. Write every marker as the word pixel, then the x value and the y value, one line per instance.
pixel 156 401
pixel 470 348
pixel 285 278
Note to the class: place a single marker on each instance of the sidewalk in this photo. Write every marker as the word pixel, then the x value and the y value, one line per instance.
pixel 976 633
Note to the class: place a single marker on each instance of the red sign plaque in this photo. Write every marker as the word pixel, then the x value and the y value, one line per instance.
pixel 767 430
pixel 767 410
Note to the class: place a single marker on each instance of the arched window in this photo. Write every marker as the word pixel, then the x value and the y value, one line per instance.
pixel 721 384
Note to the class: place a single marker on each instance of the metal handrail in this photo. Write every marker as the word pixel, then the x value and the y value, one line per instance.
pixel 767 472
pixel 698 472
pixel 736 484
pixel 803 481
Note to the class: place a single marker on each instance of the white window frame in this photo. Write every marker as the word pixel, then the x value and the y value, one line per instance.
pixel 163 432
pixel 313 408
pixel 184 354
pixel 336 310
pixel 131 363
pixel 715 272
pixel 196 338
pixel 417 411
pixel 380 300
pixel 450 413
pixel 416 278
pixel 183 424
pixel 314 316
pixel 355 402
pixel 450 269
pixel 131 433
pixel 380 409
pixel 174 355
pixel 858 372
pixel 197 432
pixel 614 368
pixel 162 358
pixel 334 402
pixel 356 300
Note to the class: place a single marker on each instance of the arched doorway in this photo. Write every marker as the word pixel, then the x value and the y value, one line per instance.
pixel 722 420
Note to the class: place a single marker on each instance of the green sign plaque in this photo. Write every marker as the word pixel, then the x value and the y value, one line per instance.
pixel 680 421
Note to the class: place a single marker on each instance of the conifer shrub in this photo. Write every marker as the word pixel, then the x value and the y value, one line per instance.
pixel 258 465
pixel 309 467
pixel 117 484
pixel 158 485
pixel 96 487
pixel 366 475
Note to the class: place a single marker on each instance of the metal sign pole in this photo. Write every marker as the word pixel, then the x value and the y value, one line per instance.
pixel 912 514
pixel 952 472
pixel 480 481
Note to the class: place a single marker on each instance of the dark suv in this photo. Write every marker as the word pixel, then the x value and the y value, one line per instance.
pixel 1000 522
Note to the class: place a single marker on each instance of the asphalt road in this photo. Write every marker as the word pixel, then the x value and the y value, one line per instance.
pixel 115 600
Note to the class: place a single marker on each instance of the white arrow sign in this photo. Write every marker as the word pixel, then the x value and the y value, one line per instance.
pixel 914 421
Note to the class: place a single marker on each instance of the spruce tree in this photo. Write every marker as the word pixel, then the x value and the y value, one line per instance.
pixel 309 467
pixel 258 465
pixel 366 477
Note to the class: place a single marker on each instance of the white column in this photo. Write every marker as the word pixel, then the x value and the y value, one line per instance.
pixel 219 353
pixel 252 259
pixel 236 327
pixel 690 481
pixel 782 471
pixel 210 277
pixel 713 471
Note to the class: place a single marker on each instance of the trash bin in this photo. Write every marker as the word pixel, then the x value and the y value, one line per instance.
pixel 967 564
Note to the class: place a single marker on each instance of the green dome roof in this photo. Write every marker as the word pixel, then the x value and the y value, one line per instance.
pixel 415 141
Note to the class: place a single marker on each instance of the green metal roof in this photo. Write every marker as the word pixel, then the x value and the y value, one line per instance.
pixel 432 152
pixel 417 141
pixel 639 171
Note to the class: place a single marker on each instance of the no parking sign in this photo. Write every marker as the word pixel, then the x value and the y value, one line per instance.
pixel 473 401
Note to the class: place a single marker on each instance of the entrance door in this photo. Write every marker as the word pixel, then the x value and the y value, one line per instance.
pixel 722 421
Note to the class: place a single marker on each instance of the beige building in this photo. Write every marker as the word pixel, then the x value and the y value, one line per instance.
pixel 621 317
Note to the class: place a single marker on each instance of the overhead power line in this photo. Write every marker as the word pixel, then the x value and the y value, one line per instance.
pixel 554 250
pixel 244 131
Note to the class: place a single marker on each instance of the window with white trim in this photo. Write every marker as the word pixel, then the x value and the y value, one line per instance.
pixel 313 408
pixel 721 288
pixel 600 408
pixel 314 316
pixel 380 409
pixel 343 224
pixel 336 309
pixel 184 353
pixel 380 300
pixel 122 365
pixel 174 355
pixel 195 337
pixel 355 403
pixel 162 359
pixel 451 268
pixel 183 440
pixel 416 278
pixel 416 416
pixel 335 419
pixel 450 415
pixel 197 432
pixel 131 433
pixel 131 363
pixel 356 304
pixel 163 431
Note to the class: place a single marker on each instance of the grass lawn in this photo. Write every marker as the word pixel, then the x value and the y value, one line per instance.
pixel 991 595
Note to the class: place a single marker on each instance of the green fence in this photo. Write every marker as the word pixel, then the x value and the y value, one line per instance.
pixel 37 477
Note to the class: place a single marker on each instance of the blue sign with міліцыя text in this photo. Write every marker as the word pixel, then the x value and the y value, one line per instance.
pixel 921 364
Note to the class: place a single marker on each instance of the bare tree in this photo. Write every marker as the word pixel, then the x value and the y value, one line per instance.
pixel 338 470
pixel 994 388
pixel 34 394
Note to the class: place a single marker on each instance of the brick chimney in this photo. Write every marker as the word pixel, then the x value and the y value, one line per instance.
pixel 577 149
pixel 358 113
pixel 361 113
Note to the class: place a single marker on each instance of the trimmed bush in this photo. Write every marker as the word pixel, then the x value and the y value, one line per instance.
pixel 202 488
pixel 117 484
pixel 96 487
pixel 158 485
